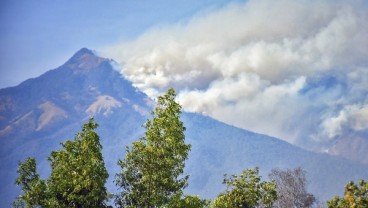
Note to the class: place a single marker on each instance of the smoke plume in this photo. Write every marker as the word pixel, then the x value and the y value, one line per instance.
pixel 296 70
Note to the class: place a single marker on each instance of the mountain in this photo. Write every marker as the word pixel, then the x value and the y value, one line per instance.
pixel 38 114
pixel 353 147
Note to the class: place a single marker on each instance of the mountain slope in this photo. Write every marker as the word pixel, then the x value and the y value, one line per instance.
pixel 38 114
pixel 41 112
pixel 226 149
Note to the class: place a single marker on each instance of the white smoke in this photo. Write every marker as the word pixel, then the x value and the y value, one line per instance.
pixel 296 70
pixel 350 118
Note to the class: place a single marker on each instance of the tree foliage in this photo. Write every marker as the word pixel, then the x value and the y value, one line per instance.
pixel 356 196
pixel 78 171
pixel 188 201
pixel 246 191
pixel 151 169
pixel 78 175
pixel 33 188
pixel 291 188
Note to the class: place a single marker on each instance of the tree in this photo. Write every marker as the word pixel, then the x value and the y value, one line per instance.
pixel 33 188
pixel 291 188
pixel 77 179
pixel 188 201
pixel 246 191
pixel 79 174
pixel 151 169
pixel 356 196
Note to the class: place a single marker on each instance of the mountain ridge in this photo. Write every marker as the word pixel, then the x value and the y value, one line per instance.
pixel 44 111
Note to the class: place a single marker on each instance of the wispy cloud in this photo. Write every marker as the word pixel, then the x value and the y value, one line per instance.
pixel 297 70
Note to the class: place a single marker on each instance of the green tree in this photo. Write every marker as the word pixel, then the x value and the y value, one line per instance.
pixel 152 169
pixel 246 191
pixel 188 201
pixel 77 179
pixel 356 196
pixel 79 174
pixel 33 188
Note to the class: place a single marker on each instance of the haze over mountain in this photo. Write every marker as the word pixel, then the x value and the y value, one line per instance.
pixel 38 114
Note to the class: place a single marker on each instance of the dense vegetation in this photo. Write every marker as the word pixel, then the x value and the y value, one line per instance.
pixel 152 174
pixel 356 196
pixel 78 175
pixel 152 167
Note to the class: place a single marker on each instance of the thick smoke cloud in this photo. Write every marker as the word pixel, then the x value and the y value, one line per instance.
pixel 296 70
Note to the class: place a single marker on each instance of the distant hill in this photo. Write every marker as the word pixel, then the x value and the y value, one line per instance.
pixel 38 114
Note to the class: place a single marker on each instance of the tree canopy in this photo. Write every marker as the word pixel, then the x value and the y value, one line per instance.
pixel 151 172
pixel 78 175
pixel 33 188
pixel 246 191
pixel 356 196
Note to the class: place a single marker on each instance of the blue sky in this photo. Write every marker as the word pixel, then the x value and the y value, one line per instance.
pixel 38 35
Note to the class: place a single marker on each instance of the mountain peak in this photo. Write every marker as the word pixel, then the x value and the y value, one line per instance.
pixel 82 52
pixel 84 59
